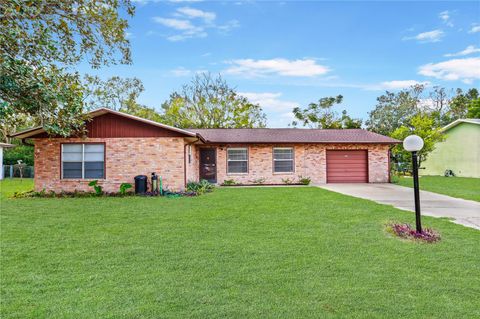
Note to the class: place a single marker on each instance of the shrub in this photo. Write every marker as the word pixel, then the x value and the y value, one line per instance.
pixel 394 178
pixel 200 187
pixel 259 181
pixel 229 182
pixel 304 180
pixel 124 187
pixel 98 189
pixel 406 231
pixel 287 181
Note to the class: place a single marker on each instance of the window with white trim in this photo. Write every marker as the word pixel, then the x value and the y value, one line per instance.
pixel 283 160
pixel 83 161
pixel 237 161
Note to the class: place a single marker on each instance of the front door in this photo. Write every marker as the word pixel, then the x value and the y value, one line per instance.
pixel 208 164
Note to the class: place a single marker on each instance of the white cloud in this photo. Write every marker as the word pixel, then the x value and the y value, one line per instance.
pixel 401 84
pixel 279 111
pixel 430 36
pixel 181 72
pixel 468 50
pixel 193 23
pixel 175 23
pixel 284 67
pixel 196 13
pixel 445 17
pixel 269 100
pixel 227 27
pixel 188 29
pixel 475 28
pixel 466 70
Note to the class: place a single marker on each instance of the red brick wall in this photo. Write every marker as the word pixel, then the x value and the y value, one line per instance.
pixel 124 159
pixel 310 161
pixel 128 157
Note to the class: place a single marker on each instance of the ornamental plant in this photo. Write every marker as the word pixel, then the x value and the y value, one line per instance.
pixel 98 189
pixel 406 231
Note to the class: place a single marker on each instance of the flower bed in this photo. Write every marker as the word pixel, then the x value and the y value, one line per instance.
pixel 406 231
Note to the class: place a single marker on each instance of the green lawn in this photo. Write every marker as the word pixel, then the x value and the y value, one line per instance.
pixel 461 187
pixel 235 253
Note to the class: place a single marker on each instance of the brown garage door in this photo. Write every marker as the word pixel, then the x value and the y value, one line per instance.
pixel 347 167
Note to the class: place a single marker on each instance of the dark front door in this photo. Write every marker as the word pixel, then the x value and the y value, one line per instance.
pixel 208 164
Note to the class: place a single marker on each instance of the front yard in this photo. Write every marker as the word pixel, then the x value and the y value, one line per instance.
pixel 235 253
pixel 460 187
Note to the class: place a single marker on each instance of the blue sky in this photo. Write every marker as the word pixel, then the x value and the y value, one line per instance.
pixel 290 53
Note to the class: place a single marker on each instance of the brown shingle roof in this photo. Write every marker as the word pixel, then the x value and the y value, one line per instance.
pixel 292 135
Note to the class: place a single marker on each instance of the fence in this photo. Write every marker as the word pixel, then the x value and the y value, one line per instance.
pixel 11 171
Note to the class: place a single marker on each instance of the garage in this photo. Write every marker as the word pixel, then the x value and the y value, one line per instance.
pixel 347 166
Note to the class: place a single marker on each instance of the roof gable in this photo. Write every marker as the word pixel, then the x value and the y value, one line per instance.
pixel 109 123
pixel 460 121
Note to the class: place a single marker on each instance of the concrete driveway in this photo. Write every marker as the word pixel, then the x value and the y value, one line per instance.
pixel 464 212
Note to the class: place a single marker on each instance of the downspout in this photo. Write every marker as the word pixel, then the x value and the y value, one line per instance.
pixel 390 163
pixel 185 160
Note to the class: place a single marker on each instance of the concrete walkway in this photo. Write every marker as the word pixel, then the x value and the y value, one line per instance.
pixel 464 212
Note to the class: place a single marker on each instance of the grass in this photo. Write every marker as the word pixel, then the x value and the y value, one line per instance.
pixel 460 187
pixel 235 253
pixel 9 186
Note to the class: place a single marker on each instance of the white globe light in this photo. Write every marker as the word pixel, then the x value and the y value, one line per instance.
pixel 413 143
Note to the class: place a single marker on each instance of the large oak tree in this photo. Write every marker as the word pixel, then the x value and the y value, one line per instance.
pixel 42 40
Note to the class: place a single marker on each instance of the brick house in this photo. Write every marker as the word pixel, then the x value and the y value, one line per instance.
pixel 119 146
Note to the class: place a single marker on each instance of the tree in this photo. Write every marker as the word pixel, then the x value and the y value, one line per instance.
pixel 115 93
pixel 423 125
pixel 143 112
pixel 394 110
pixel 321 115
pixel 474 109
pixel 461 103
pixel 41 40
pixel 208 102
pixel 50 31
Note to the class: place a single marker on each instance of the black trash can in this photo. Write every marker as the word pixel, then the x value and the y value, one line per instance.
pixel 140 184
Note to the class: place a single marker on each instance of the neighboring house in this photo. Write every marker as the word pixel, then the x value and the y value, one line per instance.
pixel 2 146
pixel 459 152
pixel 120 146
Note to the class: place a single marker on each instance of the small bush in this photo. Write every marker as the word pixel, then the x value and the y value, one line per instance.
pixel 229 182
pixel 259 181
pixel 406 231
pixel 200 187
pixel 124 187
pixel 98 189
pixel 304 180
pixel 287 181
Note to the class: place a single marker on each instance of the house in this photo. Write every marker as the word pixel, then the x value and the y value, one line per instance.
pixel 119 146
pixel 459 152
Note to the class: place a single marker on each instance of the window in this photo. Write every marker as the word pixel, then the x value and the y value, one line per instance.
pixel 283 160
pixel 83 161
pixel 237 160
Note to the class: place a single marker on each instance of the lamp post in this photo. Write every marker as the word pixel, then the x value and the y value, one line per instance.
pixel 414 143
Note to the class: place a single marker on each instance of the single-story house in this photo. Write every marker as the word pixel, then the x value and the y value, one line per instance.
pixel 459 152
pixel 119 146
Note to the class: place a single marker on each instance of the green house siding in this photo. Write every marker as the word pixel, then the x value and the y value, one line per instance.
pixel 460 152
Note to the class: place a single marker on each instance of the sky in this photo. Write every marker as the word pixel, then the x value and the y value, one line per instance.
pixel 284 54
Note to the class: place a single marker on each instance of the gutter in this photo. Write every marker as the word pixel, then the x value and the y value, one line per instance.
pixel 199 138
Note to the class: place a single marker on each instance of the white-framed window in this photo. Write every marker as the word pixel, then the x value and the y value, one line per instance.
pixel 237 160
pixel 84 161
pixel 283 160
